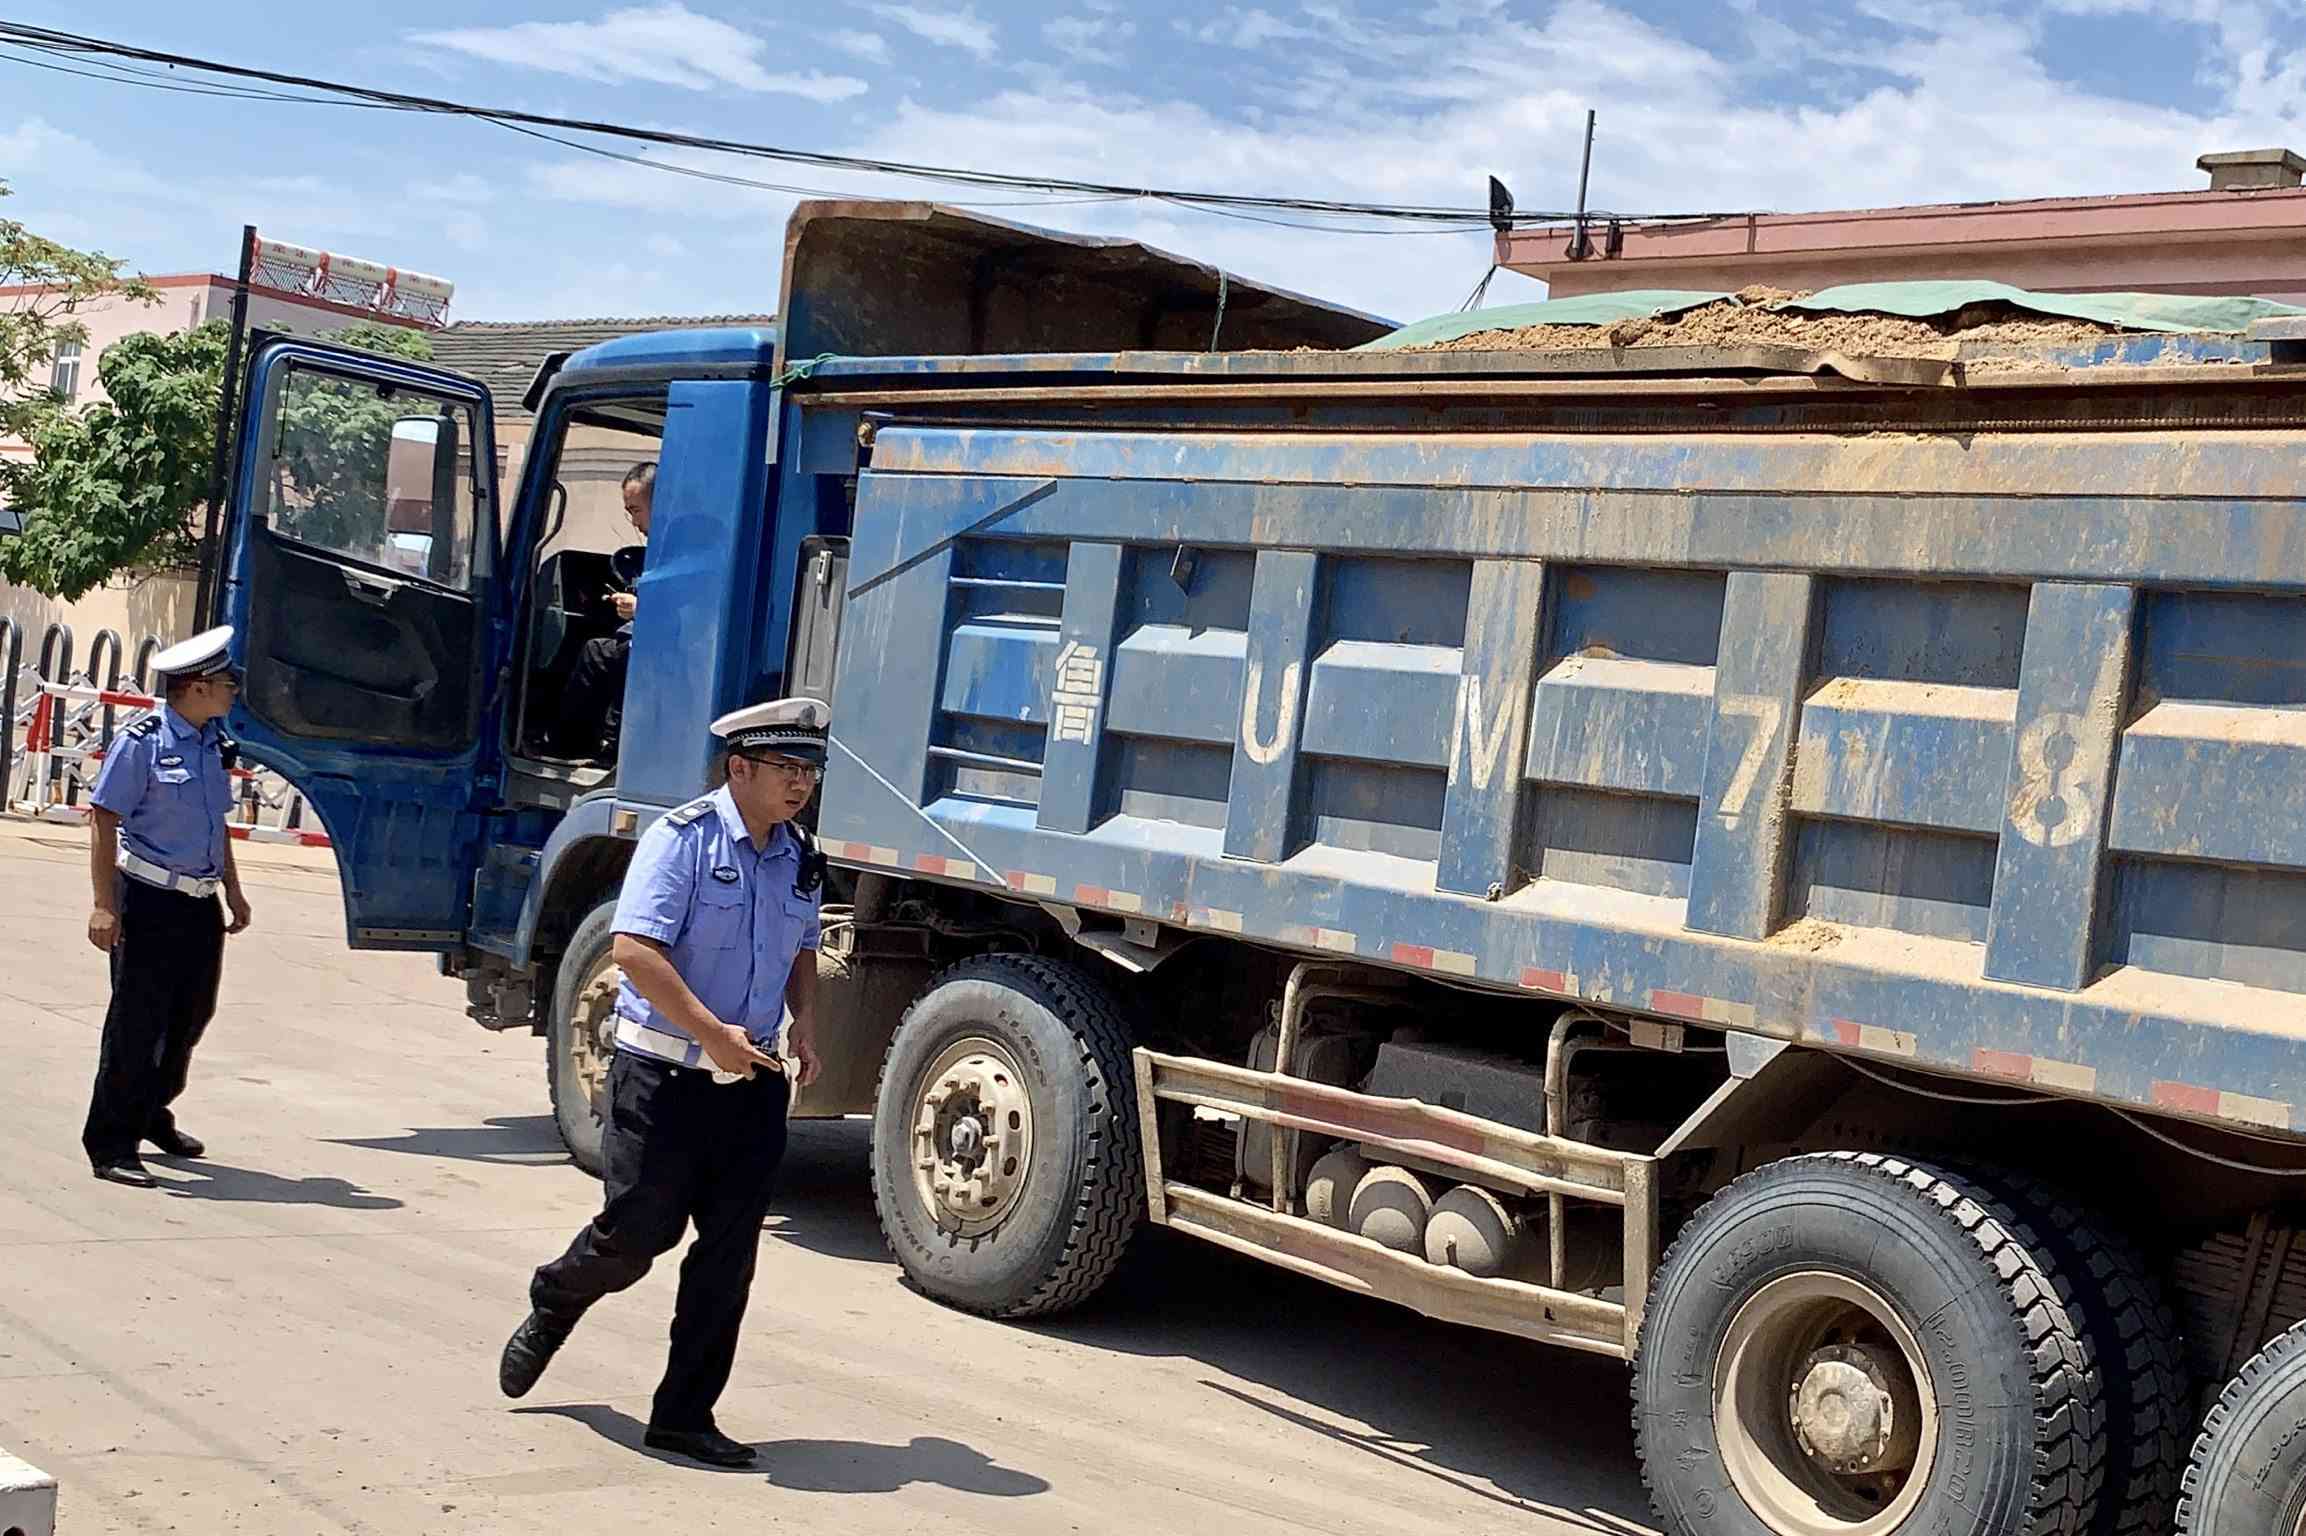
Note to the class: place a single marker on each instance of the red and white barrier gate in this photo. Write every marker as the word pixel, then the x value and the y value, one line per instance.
pixel 48 793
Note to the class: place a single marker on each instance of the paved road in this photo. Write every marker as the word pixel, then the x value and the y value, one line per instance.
pixel 299 1336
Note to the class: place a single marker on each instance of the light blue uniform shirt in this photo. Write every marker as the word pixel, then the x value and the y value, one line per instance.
pixel 167 783
pixel 729 916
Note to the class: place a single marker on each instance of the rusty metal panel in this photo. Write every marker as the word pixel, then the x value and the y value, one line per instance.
pixel 1914 606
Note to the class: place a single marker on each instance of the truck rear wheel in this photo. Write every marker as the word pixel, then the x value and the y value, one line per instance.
pixel 1007 1168
pixel 2248 1475
pixel 2134 1337
pixel 581 1035
pixel 1850 1345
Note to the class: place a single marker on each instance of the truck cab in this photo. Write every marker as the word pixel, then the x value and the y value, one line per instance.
pixel 410 629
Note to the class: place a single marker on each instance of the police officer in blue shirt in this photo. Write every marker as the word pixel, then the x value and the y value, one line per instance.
pixel 717 930
pixel 157 854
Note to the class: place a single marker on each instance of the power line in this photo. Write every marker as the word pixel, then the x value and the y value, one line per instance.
pixel 96 51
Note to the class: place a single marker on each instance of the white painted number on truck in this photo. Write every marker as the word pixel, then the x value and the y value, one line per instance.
pixel 1765 714
pixel 2054 801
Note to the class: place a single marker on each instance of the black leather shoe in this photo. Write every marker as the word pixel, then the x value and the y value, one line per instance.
pixel 130 1173
pixel 529 1351
pixel 709 1446
pixel 178 1144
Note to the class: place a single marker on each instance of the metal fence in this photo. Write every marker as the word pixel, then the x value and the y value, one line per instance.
pixel 59 722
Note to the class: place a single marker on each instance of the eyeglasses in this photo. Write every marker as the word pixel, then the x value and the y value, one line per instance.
pixel 803 773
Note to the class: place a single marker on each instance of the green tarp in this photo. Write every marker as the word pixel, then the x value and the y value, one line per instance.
pixel 2130 311
pixel 1586 309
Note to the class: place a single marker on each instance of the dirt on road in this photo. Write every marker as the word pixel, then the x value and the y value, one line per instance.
pixel 298 1335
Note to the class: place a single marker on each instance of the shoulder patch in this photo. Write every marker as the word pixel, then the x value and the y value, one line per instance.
pixel 147 726
pixel 695 810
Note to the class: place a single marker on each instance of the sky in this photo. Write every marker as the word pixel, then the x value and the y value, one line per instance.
pixel 1742 105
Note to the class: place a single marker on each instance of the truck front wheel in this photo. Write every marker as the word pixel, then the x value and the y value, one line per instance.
pixel 581 1035
pixel 1007 1168
pixel 1851 1345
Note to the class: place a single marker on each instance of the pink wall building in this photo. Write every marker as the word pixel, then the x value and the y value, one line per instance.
pixel 186 299
pixel 2243 234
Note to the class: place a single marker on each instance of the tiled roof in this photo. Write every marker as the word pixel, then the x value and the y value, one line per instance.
pixel 504 354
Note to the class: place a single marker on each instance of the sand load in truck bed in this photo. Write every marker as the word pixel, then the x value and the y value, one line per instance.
pixel 1916 319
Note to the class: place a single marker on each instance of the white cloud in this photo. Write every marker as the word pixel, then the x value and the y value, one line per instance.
pixel 872 47
pixel 663 44
pixel 1092 39
pixel 1251 30
pixel 1417 102
pixel 963 29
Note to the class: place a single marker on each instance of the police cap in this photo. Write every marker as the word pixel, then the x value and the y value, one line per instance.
pixel 792 728
pixel 204 655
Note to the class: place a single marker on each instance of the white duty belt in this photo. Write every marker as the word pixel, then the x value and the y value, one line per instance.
pixel 164 877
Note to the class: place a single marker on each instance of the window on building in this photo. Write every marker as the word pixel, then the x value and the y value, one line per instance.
pixel 64 377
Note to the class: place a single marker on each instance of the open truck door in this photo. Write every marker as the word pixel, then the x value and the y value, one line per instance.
pixel 364 585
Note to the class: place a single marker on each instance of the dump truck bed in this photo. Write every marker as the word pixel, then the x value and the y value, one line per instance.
pixel 1944 713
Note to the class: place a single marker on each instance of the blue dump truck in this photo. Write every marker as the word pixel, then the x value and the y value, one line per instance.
pixel 1785 868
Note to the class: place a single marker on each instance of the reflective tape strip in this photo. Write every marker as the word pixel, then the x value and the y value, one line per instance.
pixel 1032 884
pixel 1450 962
pixel 1538 979
pixel 1336 940
pixel 1706 1010
pixel 1215 917
pixel 2041 1072
pixel 1871 1037
pixel 1112 900
pixel 2248 1108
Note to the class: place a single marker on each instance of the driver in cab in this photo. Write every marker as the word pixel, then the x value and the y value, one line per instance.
pixel 592 703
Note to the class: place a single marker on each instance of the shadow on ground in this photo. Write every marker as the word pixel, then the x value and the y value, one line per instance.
pixel 220 1181
pixel 1524 1426
pixel 520 1139
pixel 830 1466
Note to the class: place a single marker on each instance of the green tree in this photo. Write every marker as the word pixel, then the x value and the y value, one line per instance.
pixel 120 484
pixel 330 461
pixel 59 282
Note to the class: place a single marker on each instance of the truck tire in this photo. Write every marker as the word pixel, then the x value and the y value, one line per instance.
pixel 2134 1337
pixel 580 1035
pixel 1851 1344
pixel 2248 1474
pixel 1010 1079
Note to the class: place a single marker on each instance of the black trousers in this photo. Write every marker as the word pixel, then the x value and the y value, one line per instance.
pixel 679 1148
pixel 592 701
pixel 165 965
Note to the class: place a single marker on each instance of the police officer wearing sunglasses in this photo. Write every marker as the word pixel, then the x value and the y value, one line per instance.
pixel 717 930
pixel 158 854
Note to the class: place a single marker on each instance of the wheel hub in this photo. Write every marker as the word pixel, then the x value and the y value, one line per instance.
pixel 972 1136
pixel 1821 1408
pixel 593 1039
pixel 1847 1414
